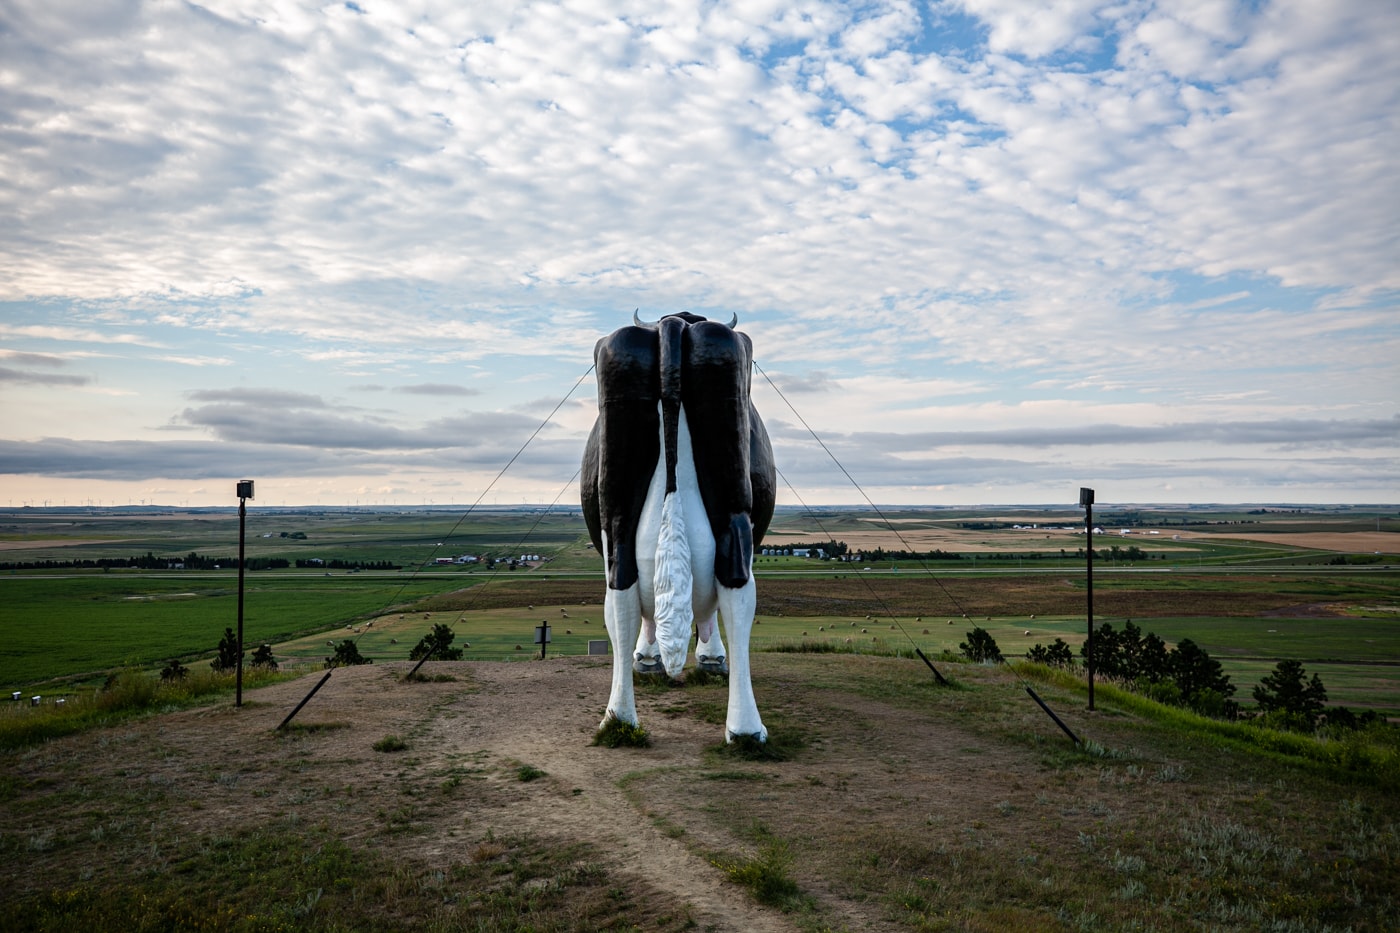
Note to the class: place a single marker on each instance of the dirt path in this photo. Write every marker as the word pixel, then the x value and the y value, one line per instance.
pixel 496 717
pixel 895 778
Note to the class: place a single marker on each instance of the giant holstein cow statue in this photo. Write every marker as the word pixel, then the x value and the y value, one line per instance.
pixel 677 488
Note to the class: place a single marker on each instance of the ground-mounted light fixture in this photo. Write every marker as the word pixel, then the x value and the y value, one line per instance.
pixel 245 492
pixel 1086 502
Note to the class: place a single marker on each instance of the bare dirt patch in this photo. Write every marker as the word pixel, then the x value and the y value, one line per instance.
pixel 904 803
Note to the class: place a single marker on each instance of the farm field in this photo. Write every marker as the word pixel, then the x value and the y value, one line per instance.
pixel 1240 584
pixel 472 797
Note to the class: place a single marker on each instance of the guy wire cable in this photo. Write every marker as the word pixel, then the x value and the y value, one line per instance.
pixel 888 524
pixel 478 590
pixel 414 575
pixel 927 570
pixel 465 515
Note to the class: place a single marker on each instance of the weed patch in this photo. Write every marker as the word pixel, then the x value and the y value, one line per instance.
pixel 618 734
pixel 127 694
pixel 781 746
pixel 766 876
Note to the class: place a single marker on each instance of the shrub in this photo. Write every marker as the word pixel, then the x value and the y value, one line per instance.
pixel 1056 655
pixel 174 671
pixel 347 655
pixel 263 658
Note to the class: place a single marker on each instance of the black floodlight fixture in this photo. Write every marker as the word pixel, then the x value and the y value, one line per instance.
pixel 1086 496
pixel 245 489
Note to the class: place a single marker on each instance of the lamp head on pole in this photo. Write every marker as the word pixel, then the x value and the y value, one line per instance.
pixel 1086 497
pixel 245 489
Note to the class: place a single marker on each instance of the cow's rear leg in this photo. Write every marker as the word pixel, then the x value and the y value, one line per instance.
pixel 709 647
pixel 646 659
pixel 736 608
pixel 622 613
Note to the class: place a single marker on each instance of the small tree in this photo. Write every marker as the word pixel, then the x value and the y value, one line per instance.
pixel 347 655
pixel 1056 655
pixel 263 658
pixel 980 646
pixel 436 644
pixel 1285 691
pixel 229 655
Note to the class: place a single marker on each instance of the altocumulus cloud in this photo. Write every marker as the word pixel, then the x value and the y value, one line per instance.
pixel 955 225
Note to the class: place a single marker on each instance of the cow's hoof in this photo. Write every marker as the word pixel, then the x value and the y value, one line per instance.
pixel 713 665
pixel 643 664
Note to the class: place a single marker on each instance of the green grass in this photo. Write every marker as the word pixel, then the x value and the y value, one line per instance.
pixel 280 878
pixel 127 694
pixel 1368 756
pixel 61 627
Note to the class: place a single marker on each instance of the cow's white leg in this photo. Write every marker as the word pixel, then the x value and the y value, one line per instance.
pixel 622 613
pixel 646 659
pixel 709 647
pixel 736 608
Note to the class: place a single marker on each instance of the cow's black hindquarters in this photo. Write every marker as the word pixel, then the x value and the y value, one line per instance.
pixel 626 444
pixel 734 551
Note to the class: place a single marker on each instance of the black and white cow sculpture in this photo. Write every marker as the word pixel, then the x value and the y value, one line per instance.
pixel 678 487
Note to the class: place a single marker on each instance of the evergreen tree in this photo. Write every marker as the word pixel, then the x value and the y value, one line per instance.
pixel 1154 661
pixel 980 646
pixel 229 655
pixel 1106 655
pixel 436 644
pixel 1285 691
pixel 1056 655
pixel 1197 673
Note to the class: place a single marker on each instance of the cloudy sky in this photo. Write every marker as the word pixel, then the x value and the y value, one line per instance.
pixel 988 251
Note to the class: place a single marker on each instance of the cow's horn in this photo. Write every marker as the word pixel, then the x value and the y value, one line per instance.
pixel 734 321
pixel 637 320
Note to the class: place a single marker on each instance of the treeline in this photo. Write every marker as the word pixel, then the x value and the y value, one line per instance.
pixel 147 561
pixel 194 561
pixel 1182 676
pixel 830 548
pixel 1187 676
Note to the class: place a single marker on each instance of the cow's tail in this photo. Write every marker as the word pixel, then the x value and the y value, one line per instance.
pixel 673 587
pixel 673 584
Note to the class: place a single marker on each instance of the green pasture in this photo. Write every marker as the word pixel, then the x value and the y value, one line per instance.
pixel 1358 659
pixel 70 625
pixel 66 624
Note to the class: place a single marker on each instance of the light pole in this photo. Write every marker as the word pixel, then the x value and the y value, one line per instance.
pixel 1086 502
pixel 245 492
